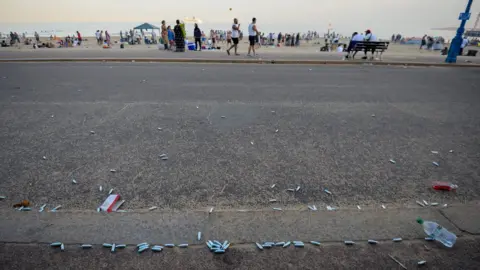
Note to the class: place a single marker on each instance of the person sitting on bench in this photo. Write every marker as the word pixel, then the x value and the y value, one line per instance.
pixel 369 37
pixel 356 37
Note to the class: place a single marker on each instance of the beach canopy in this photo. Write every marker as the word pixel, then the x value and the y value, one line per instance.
pixel 146 26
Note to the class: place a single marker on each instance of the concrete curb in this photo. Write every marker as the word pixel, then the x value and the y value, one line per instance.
pixel 238 227
pixel 238 61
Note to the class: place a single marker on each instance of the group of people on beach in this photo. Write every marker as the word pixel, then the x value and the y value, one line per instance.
pixel 103 39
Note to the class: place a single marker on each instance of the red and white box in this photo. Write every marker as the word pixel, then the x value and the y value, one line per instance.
pixel 109 203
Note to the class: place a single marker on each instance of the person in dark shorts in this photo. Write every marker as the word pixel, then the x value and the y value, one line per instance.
pixel 252 36
pixel 235 36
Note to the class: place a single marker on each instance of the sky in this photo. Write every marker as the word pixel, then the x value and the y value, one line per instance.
pixel 412 17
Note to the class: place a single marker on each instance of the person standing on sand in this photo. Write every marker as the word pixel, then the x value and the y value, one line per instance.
pixel 97 36
pixel 79 37
pixel 179 38
pixel 235 36
pixel 197 34
pixel 37 37
pixel 101 38
pixel 252 36
pixel 107 38
pixel 463 45
pixel 171 37
pixel 229 38
pixel 213 37
pixel 164 35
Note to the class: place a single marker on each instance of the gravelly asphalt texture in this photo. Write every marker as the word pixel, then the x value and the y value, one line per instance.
pixel 327 136
pixel 327 256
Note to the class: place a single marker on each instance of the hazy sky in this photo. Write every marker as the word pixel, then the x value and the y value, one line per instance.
pixel 388 15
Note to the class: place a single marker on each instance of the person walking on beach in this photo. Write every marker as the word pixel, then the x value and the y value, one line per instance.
pixel 252 36
pixel 179 38
pixel 37 37
pixel 101 38
pixel 423 42
pixel 197 33
pixel 164 35
pixel 235 36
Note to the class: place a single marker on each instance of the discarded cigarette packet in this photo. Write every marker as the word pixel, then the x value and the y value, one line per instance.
pixel 117 205
pixel 109 203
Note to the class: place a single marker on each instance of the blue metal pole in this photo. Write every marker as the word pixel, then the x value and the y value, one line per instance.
pixel 457 40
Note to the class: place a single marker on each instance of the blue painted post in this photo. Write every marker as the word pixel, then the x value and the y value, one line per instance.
pixel 457 40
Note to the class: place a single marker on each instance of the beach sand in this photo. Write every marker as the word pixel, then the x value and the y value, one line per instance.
pixel 90 43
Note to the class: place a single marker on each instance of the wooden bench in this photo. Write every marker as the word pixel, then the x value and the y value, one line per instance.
pixel 372 46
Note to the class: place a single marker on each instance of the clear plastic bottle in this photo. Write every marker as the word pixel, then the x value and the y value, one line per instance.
pixel 437 232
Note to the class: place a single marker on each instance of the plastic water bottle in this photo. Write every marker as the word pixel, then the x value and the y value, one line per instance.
pixel 437 232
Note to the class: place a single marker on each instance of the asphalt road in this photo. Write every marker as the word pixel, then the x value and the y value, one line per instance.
pixel 327 136
pixel 327 256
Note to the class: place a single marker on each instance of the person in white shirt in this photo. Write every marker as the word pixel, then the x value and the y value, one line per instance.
pixel 252 36
pixel 97 35
pixel 235 36
pixel 369 37
pixel 464 44
pixel 356 37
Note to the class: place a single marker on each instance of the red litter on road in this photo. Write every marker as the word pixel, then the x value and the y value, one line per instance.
pixel 109 203
pixel 444 186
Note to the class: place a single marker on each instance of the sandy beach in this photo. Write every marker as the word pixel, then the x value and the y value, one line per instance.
pixel 90 44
